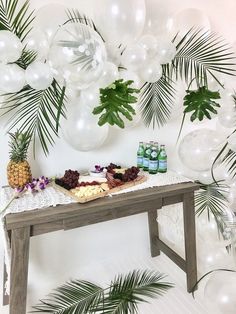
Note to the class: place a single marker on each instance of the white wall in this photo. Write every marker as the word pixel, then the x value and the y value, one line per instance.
pixel 56 257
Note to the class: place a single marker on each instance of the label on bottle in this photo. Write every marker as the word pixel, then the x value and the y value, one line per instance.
pixel 153 165
pixel 145 162
pixel 162 164
pixel 154 154
pixel 139 161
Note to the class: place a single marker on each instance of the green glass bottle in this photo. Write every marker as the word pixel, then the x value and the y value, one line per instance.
pixel 140 155
pixel 162 160
pixel 147 154
pixel 153 160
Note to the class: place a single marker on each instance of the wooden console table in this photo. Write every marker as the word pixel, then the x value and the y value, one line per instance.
pixel 22 226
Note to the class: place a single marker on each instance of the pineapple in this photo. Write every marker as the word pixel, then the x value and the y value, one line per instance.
pixel 18 169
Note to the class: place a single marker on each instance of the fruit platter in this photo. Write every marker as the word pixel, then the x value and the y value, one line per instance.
pixel 100 182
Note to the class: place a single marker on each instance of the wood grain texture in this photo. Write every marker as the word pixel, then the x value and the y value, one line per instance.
pixel 153 232
pixel 190 240
pixel 64 211
pixel 19 270
pixel 178 260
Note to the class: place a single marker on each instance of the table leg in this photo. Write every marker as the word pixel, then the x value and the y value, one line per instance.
pixel 153 232
pixel 190 240
pixel 20 241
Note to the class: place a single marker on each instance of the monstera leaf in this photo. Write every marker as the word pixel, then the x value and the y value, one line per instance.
pixel 201 103
pixel 115 101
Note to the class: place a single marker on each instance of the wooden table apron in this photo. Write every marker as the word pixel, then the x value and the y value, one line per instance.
pixel 22 226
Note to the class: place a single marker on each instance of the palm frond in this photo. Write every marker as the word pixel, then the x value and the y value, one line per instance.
pixel 74 297
pixel 36 112
pixel 26 58
pixel 121 297
pixel 156 102
pixel 201 54
pixel 126 292
pixel 230 163
pixel 16 18
pixel 211 198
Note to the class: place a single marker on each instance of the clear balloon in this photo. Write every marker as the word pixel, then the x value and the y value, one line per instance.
pixel 12 78
pixel 149 43
pixel 49 18
pixel 220 292
pixel 123 22
pixel 151 71
pixel 37 41
pixel 133 57
pixel 39 75
pixel 211 256
pixel 166 50
pixel 81 130
pixel 109 74
pixel 158 18
pixel 10 47
pixel 79 54
pixel 198 149
pixel 227 117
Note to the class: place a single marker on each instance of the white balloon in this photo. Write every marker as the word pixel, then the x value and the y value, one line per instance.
pixel 123 22
pixel 49 18
pixel 91 96
pixel 113 53
pixel 12 78
pixel 39 75
pixel 220 292
pixel 37 41
pixel 10 47
pixel 149 43
pixel 131 76
pixel 151 71
pixel 79 54
pixel 205 177
pixel 199 148
pixel 133 57
pixel 227 117
pixel 184 20
pixel 110 73
pixel 81 130
pixel 210 256
pixel 166 50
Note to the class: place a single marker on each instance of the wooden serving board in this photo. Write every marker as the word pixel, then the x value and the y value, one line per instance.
pixel 139 180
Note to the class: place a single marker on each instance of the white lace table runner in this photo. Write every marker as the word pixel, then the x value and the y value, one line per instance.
pixel 51 198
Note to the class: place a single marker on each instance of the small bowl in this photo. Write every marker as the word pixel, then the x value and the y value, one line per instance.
pixel 93 173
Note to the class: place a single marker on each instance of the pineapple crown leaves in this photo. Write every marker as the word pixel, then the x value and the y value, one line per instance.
pixel 19 144
pixel 115 100
pixel 201 102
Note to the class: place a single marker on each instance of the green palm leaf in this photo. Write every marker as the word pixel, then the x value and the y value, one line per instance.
pixel 156 102
pixel 211 198
pixel 126 292
pixel 230 162
pixel 199 54
pixel 74 297
pixel 36 112
pixel 15 17
pixel 121 297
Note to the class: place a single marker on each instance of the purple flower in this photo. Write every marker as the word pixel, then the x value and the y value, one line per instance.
pixel 42 186
pixel 19 190
pixel 98 168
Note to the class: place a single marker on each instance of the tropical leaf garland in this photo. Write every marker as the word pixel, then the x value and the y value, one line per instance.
pixel 156 102
pixel 36 112
pixel 122 296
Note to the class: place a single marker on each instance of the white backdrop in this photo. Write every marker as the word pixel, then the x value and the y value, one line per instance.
pixel 56 257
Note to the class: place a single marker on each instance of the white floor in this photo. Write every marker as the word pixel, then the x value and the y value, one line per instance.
pixel 176 301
